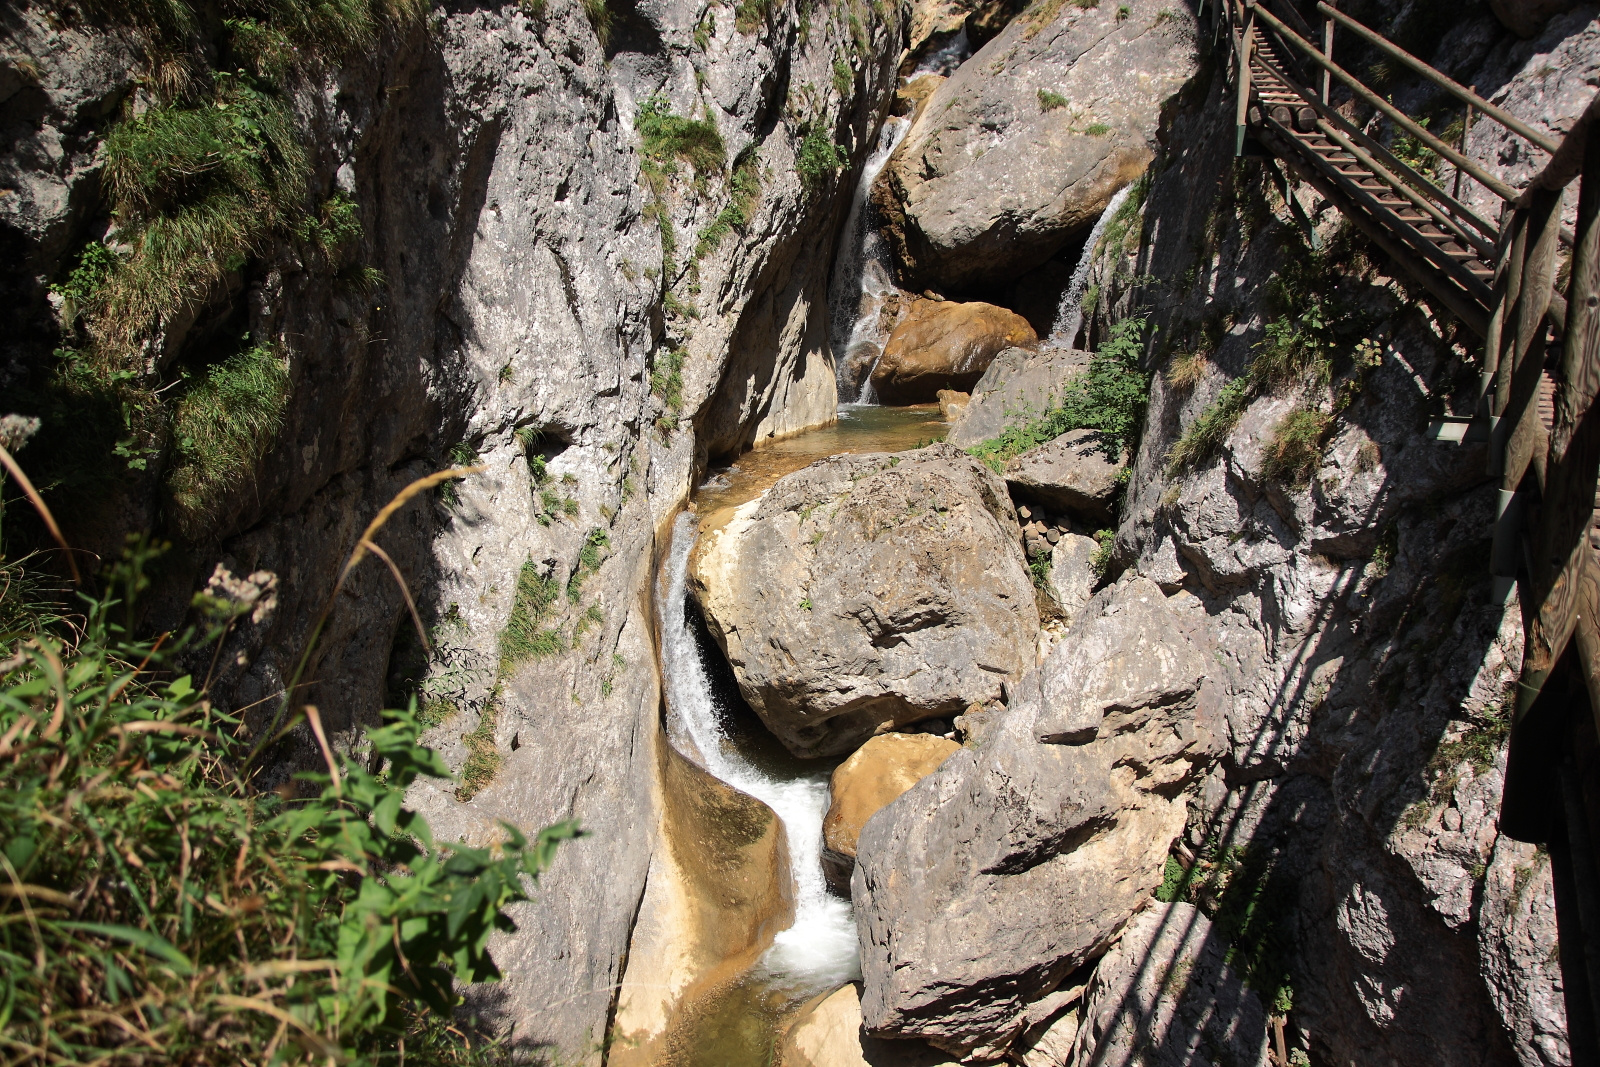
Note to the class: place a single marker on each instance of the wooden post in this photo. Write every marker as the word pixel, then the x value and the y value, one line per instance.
pixel 1246 48
pixel 1466 128
pixel 1327 50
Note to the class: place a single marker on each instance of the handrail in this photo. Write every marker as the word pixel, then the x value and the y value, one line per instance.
pixel 1499 114
pixel 1489 181
pixel 1390 160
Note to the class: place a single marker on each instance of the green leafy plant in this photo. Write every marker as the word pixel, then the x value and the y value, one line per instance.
pixel 222 425
pixel 595 542
pixel 1096 129
pixel 1109 396
pixel 750 14
pixel 1050 101
pixel 666 385
pixel 1100 562
pixel 818 158
pixel 161 907
pixel 843 77
pixel 1205 435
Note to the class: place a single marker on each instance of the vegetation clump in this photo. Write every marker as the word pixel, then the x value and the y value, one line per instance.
pixel 818 158
pixel 1295 449
pixel 666 139
pixel 1109 397
pixel 744 191
pixel 221 427
pixel 161 906
pixel 1050 101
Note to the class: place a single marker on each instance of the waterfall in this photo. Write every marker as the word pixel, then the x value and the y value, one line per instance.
pixel 861 277
pixel 819 949
pixel 1069 313
pixel 956 51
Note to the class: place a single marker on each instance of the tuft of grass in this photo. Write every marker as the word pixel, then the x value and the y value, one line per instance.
pixel 1295 449
pixel 750 14
pixel 1108 396
pixel 1205 435
pixel 1049 101
pixel 666 385
pixel 221 428
pixel 667 139
pixel 1187 370
pixel 843 77
pixel 600 16
pixel 744 192
pixel 1096 129
pixel 483 755
pixel 526 636
pixel 590 556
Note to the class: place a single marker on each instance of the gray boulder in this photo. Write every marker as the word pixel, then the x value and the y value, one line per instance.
pixel 1020 384
pixel 867 591
pixel 1071 473
pixel 988 882
pixel 1165 996
pixel 1072 577
pixel 1077 97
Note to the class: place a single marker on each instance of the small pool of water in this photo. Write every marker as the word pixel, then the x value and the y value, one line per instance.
pixel 861 428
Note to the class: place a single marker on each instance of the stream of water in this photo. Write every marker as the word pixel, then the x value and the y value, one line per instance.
pixel 710 724
pixel 1069 313
pixel 861 278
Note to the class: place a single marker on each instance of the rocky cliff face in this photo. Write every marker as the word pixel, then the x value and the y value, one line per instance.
pixel 574 309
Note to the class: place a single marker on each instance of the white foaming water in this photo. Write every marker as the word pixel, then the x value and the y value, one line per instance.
pixel 955 52
pixel 819 949
pixel 861 269
pixel 1069 313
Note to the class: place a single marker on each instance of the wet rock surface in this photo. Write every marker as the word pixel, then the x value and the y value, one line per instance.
pixel 1044 837
pixel 943 345
pixel 1076 97
pixel 869 590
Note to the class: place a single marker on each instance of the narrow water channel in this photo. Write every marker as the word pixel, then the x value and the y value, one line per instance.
pixel 708 722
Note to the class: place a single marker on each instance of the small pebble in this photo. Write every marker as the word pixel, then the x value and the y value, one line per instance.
pixel 1052 535
pixel 1024 513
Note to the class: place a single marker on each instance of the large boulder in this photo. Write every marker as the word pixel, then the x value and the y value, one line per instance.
pixel 1072 473
pixel 941 344
pixel 875 774
pixel 1526 18
pixel 1027 142
pixel 870 591
pixel 1020 383
pixel 1072 573
pixel 1165 996
pixel 982 887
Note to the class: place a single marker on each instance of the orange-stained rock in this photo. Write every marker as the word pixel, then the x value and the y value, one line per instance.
pixel 942 344
pixel 875 774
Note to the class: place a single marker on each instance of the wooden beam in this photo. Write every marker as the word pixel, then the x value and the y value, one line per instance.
pixel 1472 99
pixel 1527 434
pixel 1395 115
pixel 1579 383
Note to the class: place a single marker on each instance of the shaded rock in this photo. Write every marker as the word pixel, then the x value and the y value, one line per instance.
pixel 961 211
pixel 1516 929
pixel 1526 18
pixel 1072 577
pixel 875 774
pixel 1018 385
pixel 827 1033
pixel 1164 996
pixel 867 591
pixel 1071 473
pixel 941 344
pixel 985 884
